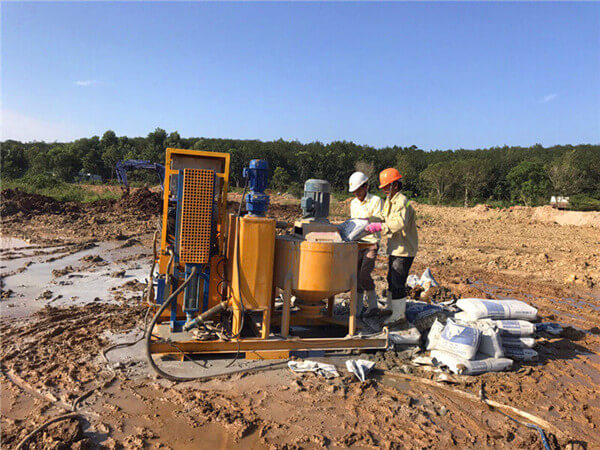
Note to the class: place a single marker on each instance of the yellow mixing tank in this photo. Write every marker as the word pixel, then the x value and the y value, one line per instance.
pixel 314 271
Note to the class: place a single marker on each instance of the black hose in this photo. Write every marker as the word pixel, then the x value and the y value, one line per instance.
pixel 153 322
pixel 237 262
pixel 26 439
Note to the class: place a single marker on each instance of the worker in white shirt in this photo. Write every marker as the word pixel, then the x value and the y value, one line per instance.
pixel 365 206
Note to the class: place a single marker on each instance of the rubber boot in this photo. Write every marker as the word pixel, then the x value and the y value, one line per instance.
pixel 398 308
pixel 385 305
pixel 371 303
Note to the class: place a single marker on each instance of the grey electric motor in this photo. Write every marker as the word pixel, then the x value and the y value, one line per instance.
pixel 315 203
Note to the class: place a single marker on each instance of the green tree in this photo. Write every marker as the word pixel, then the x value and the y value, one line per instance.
pixel 281 179
pixel 110 156
pixel 409 168
pixel 109 139
pixel 64 162
pixel 471 176
pixel 13 161
pixel 438 178
pixel 156 144
pixel 529 183
pixel 173 140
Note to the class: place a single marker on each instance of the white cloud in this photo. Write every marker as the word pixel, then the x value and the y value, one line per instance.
pixel 85 83
pixel 548 98
pixel 25 128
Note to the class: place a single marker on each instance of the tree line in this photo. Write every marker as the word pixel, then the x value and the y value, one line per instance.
pixel 505 175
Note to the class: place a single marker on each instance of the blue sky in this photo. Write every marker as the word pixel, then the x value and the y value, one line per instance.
pixel 435 75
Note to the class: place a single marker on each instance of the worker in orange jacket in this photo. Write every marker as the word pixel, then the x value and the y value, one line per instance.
pixel 399 226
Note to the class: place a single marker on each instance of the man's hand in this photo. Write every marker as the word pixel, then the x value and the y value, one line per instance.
pixel 373 228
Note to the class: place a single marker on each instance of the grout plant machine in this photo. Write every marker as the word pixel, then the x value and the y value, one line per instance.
pixel 229 283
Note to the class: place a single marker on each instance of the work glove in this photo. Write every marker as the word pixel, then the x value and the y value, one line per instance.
pixel 373 228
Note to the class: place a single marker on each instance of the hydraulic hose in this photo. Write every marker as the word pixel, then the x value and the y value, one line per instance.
pixel 153 322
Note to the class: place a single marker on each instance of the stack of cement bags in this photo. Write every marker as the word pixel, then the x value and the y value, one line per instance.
pixel 509 318
pixel 466 349
pixel 485 335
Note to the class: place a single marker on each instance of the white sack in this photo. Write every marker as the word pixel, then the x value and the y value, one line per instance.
pixel 491 342
pixel 434 334
pixel 520 342
pixel 326 370
pixel 458 339
pixel 410 336
pixel 463 366
pixel 514 327
pixel 477 308
pixel 353 229
pixel 360 367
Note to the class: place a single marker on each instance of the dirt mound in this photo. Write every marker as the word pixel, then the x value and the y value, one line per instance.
pixel 15 201
pixel 142 200
pixel 286 213
pixel 576 218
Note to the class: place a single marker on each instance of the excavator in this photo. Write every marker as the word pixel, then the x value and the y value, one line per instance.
pixel 122 167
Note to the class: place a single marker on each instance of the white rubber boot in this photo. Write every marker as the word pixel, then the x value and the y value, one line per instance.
pixel 372 305
pixel 398 308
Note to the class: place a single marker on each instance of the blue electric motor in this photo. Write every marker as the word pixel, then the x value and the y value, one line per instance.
pixel 257 173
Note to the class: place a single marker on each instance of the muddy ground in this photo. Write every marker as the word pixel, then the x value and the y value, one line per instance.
pixel 74 287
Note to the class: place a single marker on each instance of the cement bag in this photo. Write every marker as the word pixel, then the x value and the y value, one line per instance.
pixel 521 354
pixel 464 317
pixel 477 308
pixel 521 342
pixel 490 343
pixel 463 366
pixel 416 310
pixel 353 229
pixel 461 340
pixel 514 327
pixel 411 336
pixel 434 334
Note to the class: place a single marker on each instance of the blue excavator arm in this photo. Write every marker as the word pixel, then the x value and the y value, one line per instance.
pixel 135 164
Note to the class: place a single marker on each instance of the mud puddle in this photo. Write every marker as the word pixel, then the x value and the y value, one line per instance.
pixel 12 243
pixel 70 278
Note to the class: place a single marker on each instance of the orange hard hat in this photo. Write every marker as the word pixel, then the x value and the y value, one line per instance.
pixel 388 176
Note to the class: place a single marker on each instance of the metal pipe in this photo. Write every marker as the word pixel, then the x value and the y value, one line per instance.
pixel 206 315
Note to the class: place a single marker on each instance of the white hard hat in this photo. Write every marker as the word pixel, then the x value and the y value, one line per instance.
pixel 357 179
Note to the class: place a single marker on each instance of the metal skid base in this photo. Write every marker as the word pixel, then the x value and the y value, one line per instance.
pixel 256 348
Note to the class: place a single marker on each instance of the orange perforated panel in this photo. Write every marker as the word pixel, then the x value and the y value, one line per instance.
pixel 196 213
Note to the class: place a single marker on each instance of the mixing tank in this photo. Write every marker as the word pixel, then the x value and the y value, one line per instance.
pixel 314 271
